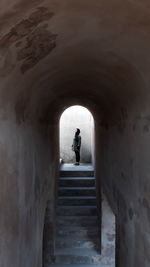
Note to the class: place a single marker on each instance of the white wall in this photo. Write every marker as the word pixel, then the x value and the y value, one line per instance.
pixel 72 118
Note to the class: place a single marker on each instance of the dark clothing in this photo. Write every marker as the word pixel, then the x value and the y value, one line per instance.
pixel 76 142
pixel 76 146
pixel 77 152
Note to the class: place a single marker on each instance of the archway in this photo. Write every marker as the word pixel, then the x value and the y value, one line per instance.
pixel 72 118
pixel 72 208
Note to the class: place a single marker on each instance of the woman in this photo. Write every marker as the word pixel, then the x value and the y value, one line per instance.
pixel 76 146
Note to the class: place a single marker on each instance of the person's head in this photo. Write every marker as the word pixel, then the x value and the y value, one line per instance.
pixel 77 131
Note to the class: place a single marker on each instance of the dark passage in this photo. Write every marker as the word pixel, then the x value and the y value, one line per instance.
pixel 77 223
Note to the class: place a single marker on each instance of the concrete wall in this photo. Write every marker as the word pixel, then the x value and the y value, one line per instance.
pixel 72 118
pixel 60 53
pixel 126 150
pixel 27 183
pixel 22 194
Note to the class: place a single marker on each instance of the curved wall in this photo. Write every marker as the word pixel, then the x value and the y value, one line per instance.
pixel 55 54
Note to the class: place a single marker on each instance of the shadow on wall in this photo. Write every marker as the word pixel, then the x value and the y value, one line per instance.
pixel 48 236
pixel 72 118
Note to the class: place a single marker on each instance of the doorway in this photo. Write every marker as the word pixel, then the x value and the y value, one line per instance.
pixel 72 118
pixel 84 225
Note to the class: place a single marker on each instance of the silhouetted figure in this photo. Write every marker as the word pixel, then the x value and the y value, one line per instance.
pixel 76 146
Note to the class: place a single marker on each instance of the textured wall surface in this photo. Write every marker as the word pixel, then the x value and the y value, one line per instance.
pixel 54 54
pixel 126 151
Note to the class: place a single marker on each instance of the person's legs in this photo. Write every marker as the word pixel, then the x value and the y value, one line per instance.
pixel 76 153
pixel 77 156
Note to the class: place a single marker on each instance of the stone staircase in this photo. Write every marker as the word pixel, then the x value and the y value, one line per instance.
pixel 77 229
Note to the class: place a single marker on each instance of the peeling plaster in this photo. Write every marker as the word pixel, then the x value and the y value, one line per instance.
pixel 35 41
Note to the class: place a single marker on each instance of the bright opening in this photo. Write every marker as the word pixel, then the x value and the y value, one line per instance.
pixel 72 118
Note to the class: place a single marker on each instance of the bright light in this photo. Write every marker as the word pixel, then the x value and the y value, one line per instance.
pixel 72 118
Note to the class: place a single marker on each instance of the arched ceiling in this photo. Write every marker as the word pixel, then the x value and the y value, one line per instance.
pixel 58 52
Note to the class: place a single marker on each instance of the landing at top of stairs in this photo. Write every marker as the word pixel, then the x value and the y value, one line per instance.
pixel 72 167
pixel 71 170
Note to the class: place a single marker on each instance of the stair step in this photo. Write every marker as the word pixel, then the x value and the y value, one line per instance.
pixel 80 191
pixel 82 221
pixel 79 232
pixel 77 252
pixel 77 200
pixel 76 265
pixel 75 210
pixel 77 181
pixel 77 173
pixel 75 243
pixel 81 256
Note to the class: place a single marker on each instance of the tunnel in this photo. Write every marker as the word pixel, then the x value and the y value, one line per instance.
pixel 55 54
